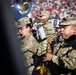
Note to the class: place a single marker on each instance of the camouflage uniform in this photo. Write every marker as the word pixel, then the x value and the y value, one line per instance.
pixel 49 31
pixel 29 46
pixel 64 55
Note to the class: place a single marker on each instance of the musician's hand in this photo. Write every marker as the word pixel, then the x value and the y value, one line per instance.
pixel 48 57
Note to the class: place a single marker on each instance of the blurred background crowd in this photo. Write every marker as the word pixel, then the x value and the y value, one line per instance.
pixel 57 8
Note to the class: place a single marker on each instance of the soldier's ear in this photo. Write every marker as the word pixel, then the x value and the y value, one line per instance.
pixel 74 30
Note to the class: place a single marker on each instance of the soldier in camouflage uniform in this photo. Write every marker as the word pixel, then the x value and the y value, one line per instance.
pixel 29 44
pixel 48 29
pixel 62 60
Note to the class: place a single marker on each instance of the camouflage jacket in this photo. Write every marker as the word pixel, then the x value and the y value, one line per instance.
pixel 49 31
pixel 65 56
pixel 29 47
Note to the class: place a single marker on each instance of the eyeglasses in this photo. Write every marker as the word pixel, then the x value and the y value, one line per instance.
pixel 23 28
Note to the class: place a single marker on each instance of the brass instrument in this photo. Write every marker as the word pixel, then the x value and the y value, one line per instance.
pixel 48 44
pixel 24 7
pixel 43 68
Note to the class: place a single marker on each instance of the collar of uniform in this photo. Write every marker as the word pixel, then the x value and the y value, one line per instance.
pixel 71 38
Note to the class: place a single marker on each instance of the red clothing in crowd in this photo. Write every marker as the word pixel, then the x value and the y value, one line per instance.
pixel 50 10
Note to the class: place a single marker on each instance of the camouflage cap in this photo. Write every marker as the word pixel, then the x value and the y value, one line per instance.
pixel 23 22
pixel 45 13
pixel 68 21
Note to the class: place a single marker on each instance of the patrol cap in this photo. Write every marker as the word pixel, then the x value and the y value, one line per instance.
pixel 23 22
pixel 68 21
pixel 45 13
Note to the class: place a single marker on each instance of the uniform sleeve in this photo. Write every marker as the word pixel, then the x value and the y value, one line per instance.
pixel 42 48
pixel 33 44
pixel 30 44
pixel 66 62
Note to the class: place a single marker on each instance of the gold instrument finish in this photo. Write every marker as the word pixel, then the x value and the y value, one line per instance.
pixel 49 41
pixel 43 68
pixel 24 7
